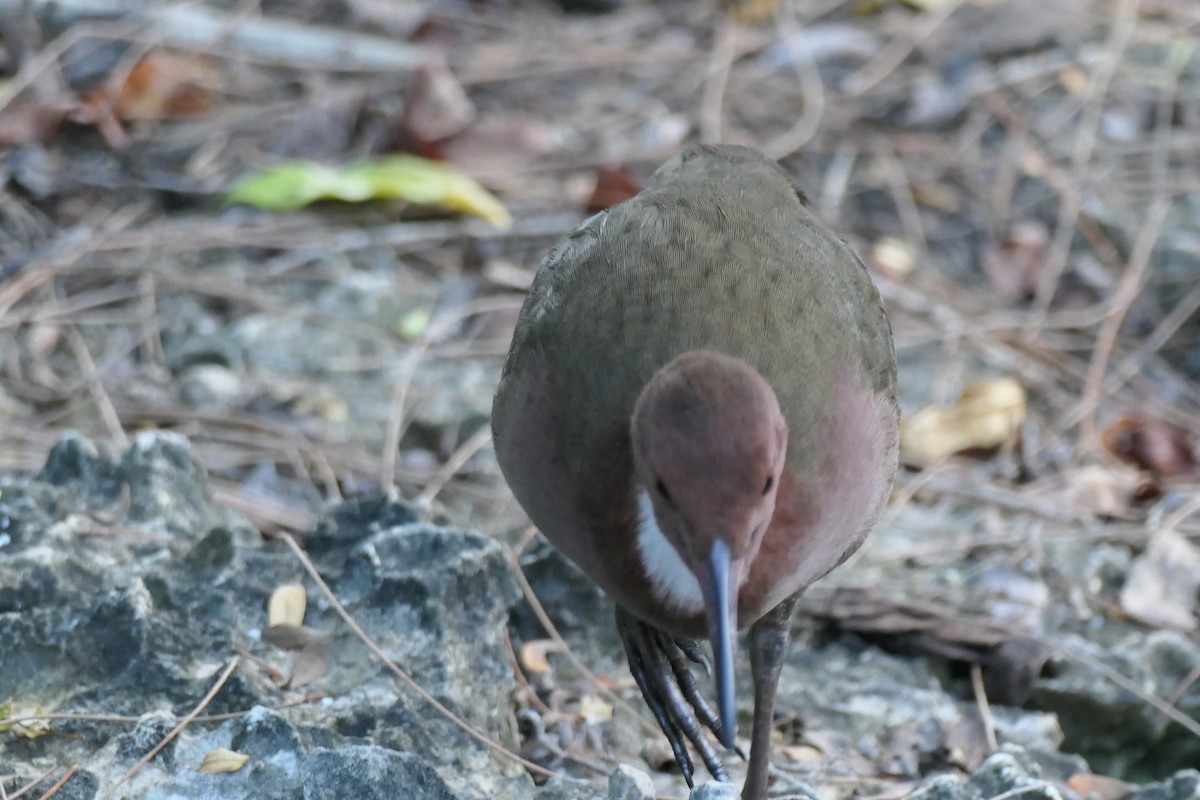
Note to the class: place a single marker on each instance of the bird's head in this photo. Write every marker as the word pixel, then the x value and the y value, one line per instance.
pixel 709 442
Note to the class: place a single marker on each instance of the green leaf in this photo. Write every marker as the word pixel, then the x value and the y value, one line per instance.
pixel 400 177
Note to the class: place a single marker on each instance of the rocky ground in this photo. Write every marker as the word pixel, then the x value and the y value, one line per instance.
pixel 186 388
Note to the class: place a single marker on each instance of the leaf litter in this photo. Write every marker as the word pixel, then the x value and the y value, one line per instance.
pixel 997 173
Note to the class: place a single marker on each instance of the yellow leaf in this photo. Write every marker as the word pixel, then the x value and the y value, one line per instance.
pixel 287 605
pixel 222 760
pixel 987 414
pixel 533 655
pixel 592 709
pixel 29 728
pixel 399 177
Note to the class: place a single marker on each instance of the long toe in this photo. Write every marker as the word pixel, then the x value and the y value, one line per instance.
pixel 686 681
pixel 657 664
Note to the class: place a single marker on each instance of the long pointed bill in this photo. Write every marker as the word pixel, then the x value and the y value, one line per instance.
pixel 720 598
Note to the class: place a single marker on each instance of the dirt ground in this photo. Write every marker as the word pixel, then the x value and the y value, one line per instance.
pixel 1022 178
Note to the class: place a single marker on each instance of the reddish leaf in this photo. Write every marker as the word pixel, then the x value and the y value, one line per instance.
pixel 613 185
pixel 161 85
pixel 1157 446
pixel 1099 786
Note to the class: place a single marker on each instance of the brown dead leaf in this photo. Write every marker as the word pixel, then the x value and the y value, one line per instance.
pixel 1163 583
pixel 613 185
pixel 165 85
pixel 1154 445
pixel 1014 265
pixel 1100 787
pixel 160 85
pixel 221 760
pixel 987 414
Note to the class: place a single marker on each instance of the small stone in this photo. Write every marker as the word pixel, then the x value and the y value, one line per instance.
pixel 630 783
pixel 716 790
pixel 563 788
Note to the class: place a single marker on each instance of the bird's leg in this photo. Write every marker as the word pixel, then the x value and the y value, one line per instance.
pixel 768 644
pixel 657 663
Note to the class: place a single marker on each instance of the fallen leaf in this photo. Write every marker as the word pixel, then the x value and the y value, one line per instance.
pixel 613 185
pixel 27 728
pixel 1100 787
pixel 593 710
pixel 987 414
pixel 287 605
pixel 806 754
pixel 160 85
pixel 534 655
pixel 1154 445
pixel 1163 583
pixel 221 760
pixel 399 177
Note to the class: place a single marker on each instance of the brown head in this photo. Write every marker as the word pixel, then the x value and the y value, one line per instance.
pixel 709 442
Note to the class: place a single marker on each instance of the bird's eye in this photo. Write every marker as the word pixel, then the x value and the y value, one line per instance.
pixel 661 488
pixel 770 482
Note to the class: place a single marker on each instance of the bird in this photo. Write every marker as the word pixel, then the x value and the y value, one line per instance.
pixel 699 410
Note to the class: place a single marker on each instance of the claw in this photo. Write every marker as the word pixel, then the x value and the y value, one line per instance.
pixel 658 663
pixel 695 653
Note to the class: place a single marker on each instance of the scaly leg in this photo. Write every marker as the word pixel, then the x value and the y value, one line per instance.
pixel 657 662
pixel 768 643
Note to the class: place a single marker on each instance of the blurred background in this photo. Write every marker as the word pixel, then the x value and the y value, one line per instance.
pixel 1021 177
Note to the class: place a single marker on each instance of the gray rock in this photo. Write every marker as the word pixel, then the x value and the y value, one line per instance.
pixel 1009 769
pixel 124 587
pixel 564 788
pixel 371 772
pixel 630 783
pixel 716 790
pixel 1184 785
pixel 1135 741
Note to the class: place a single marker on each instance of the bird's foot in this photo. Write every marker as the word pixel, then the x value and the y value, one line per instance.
pixel 659 664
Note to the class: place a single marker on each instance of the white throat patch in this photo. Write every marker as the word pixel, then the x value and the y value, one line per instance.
pixel 670 579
